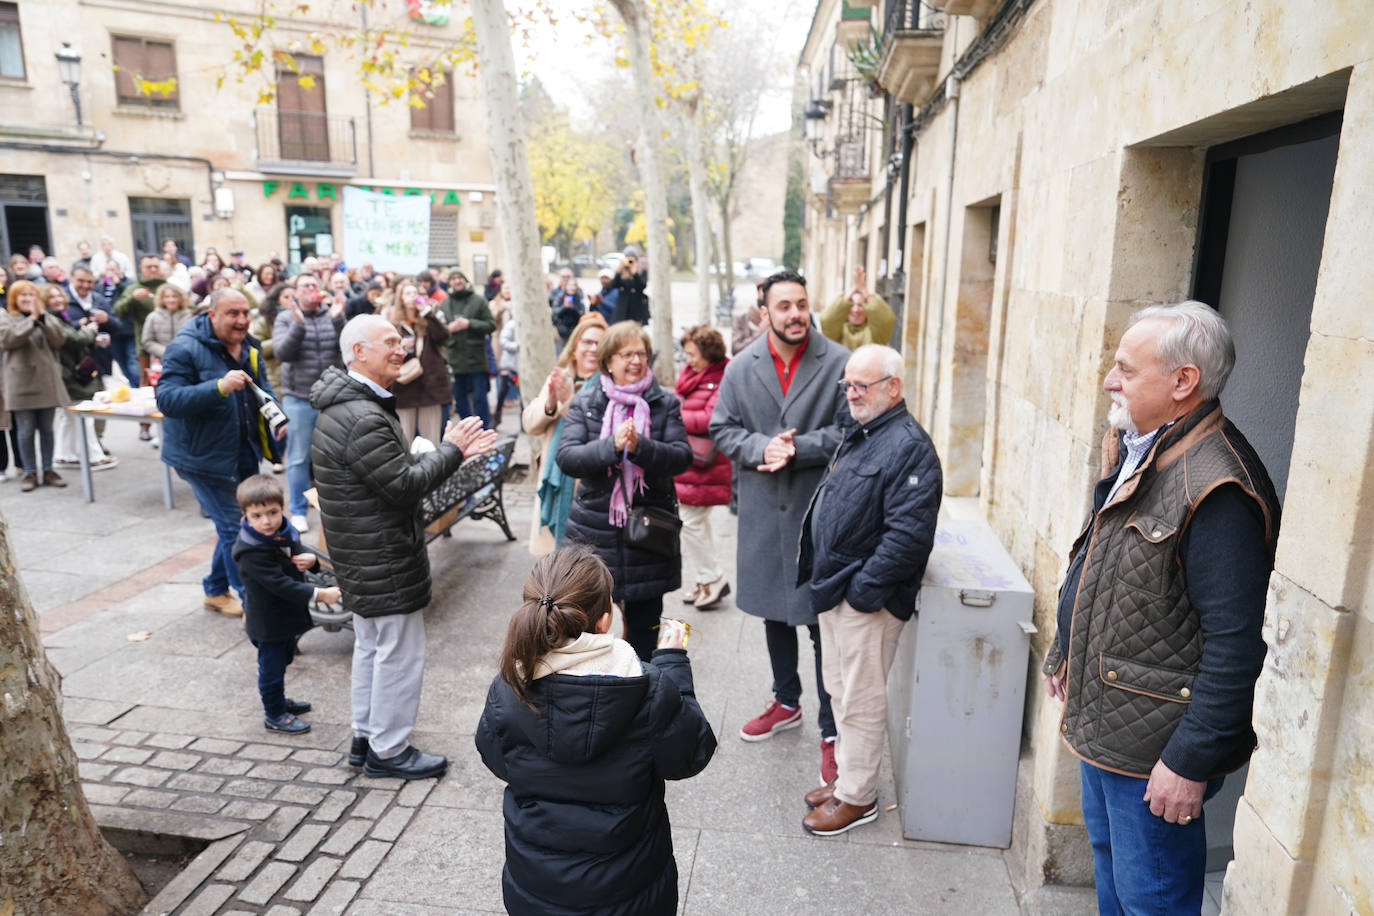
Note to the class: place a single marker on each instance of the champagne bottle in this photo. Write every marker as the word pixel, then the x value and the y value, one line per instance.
pixel 271 412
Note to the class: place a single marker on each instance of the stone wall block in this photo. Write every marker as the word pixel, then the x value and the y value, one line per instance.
pixel 1347 273
pixel 1156 223
pixel 1297 712
pixel 1326 542
pixel 1264 878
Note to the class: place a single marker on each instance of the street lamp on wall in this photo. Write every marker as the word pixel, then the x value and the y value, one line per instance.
pixel 813 126
pixel 69 69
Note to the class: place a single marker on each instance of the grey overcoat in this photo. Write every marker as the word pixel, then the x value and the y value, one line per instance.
pixel 751 410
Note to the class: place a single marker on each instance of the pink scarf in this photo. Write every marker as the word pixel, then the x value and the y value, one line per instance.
pixel 624 402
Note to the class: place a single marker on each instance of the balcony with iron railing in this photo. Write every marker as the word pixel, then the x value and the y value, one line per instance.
pixel 305 143
pixel 912 39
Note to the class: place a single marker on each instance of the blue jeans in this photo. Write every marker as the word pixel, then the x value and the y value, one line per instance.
pixel 300 431
pixel 1142 863
pixel 470 394
pixel 273 657
pixel 31 423
pixel 123 347
pixel 216 496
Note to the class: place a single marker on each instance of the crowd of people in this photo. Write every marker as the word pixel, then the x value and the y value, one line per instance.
pixel 804 433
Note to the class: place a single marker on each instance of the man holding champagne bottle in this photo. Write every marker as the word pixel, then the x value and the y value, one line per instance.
pixel 212 393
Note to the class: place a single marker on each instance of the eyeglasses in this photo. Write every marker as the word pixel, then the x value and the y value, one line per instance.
pixel 632 356
pixel 861 387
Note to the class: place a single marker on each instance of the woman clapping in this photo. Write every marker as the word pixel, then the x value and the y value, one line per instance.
pixel 624 442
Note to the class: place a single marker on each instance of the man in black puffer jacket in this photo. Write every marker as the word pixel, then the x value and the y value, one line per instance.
pixel 864 546
pixel 370 487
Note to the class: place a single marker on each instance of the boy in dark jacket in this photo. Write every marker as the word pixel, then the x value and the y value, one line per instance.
pixel 272 563
pixel 584 735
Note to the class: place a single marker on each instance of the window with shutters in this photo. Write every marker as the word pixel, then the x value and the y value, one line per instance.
pixel 437 115
pixel 11 43
pixel 139 60
pixel 304 122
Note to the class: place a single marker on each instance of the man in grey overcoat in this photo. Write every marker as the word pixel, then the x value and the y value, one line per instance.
pixel 775 418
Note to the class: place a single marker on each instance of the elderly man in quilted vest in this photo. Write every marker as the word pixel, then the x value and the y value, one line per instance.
pixel 1159 643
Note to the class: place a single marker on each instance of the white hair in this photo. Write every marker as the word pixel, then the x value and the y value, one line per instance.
pixel 1197 336
pixel 358 331
pixel 889 359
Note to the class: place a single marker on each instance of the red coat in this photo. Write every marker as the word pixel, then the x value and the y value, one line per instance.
pixel 702 486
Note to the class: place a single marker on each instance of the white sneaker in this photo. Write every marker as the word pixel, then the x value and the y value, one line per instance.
pixel 300 523
pixel 4 476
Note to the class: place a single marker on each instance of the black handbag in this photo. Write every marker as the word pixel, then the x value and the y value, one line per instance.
pixel 653 529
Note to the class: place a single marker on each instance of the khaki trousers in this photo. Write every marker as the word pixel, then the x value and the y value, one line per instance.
pixel 698 544
pixel 856 652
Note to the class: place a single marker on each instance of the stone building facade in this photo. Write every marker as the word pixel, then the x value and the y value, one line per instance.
pixel 213 164
pixel 1019 177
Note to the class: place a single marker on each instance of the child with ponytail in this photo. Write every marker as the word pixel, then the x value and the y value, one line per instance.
pixel 584 735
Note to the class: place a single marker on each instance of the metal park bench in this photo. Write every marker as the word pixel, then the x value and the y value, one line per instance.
pixel 475 490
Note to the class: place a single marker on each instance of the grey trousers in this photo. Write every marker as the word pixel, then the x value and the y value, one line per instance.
pixel 388 668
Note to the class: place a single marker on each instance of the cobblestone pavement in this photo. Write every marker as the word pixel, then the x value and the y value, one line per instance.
pixel 161 705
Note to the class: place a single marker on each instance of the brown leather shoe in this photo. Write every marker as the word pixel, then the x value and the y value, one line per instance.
pixel 817 797
pixel 835 817
pixel 53 479
pixel 30 482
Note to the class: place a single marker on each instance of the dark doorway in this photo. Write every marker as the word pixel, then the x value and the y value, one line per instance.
pixel 1263 222
pixel 308 234
pixel 23 214
pixel 1265 201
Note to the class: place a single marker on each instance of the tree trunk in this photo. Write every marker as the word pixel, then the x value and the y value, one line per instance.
pixel 725 243
pixel 701 209
pixel 510 170
pixel 650 160
pixel 53 858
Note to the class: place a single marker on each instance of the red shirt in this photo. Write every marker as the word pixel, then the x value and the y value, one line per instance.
pixel 787 371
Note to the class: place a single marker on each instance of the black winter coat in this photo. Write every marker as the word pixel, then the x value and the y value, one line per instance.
pixel 870 526
pixel 582 453
pixel 277 599
pixel 632 303
pixel 586 827
pixel 370 488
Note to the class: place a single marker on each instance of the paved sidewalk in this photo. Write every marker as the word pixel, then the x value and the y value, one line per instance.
pixel 163 711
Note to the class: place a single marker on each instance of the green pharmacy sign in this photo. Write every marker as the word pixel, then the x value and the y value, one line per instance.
pixel 299 190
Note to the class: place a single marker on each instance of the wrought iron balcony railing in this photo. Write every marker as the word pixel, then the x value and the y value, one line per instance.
pixel 307 142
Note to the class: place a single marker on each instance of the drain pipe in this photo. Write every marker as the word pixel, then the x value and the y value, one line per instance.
pixel 952 95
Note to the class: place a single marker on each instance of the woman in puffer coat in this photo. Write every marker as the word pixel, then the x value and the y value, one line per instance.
pixel 623 440
pixel 172 309
pixel 707 482
pixel 584 734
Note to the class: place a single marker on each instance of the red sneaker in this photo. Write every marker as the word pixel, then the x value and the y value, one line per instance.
pixel 829 771
pixel 774 718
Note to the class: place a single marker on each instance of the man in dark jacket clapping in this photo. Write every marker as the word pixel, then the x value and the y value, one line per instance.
pixel 864 546
pixel 370 486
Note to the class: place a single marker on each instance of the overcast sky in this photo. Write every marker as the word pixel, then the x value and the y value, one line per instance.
pixel 573 64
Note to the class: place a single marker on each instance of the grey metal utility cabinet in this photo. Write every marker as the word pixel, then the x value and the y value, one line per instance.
pixel 956 691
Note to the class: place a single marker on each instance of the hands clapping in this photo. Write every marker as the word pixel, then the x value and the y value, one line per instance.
pixel 469 437
pixel 779 450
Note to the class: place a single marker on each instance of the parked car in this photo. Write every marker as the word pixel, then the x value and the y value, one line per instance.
pixel 755 268
pixel 611 260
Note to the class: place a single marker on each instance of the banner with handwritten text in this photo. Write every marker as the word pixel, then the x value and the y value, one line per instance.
pixel 388 232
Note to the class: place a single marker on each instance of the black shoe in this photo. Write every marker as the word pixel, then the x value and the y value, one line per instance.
pixel 286 723
pixel 357 752
pixel 411 763
pixel 297 707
